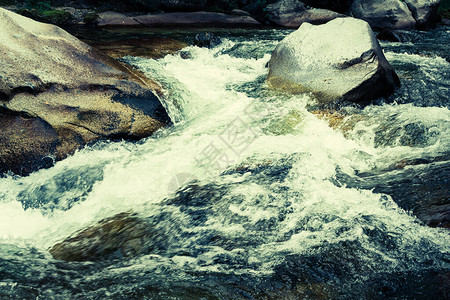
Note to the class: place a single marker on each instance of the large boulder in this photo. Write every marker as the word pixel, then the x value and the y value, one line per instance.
pixel 337 60
pixel 380 14
pixel 57 94
pixel 341 6
pixel 425 12
pixel 191 19
pixel 293 13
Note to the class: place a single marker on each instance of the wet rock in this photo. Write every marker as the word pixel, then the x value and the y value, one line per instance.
pixel 193 19
pixel 148 48
pixel 206 39
pixel 120 236
pixel 340 121
pixel 380 14
pixel 341 6
pixel 292 13
pixel 59 94
pixel 423 189
pixel 425 12
pixel 185 55
pixel 338 60
pixel 391 36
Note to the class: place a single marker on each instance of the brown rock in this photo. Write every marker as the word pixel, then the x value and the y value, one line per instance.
pixel 149 48
pixel 122 235
pixel 59 93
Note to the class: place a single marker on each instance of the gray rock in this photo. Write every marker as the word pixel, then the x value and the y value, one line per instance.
pixel 57 94
pixel 338 60
pixel 109 16
pixel 293 13
pixel 239 12
pixel 341 6
pixel 425 12
pixel 176 19
pixel 380 14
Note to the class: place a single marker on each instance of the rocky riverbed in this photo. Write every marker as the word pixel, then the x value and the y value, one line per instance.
pixel 171 170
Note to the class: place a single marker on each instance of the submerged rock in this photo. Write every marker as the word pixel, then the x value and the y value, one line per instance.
pixel 58 94
pixel 206 39
pixel 293 13
pixel 420 187
pixel 338 60
pixel 122 235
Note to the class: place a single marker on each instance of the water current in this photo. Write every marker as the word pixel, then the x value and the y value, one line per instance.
pixel 251 194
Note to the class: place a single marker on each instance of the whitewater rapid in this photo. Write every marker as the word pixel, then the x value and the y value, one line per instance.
pixel 226 122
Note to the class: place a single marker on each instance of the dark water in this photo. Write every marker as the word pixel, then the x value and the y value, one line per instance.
pixel 294 210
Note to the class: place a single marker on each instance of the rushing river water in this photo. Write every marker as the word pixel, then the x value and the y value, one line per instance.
pixel 251 194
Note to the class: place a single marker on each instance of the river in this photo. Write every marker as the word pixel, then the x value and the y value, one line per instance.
pixel 251 194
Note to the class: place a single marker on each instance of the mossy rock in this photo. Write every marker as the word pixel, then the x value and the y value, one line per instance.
pixel 91 19
pixel 57 17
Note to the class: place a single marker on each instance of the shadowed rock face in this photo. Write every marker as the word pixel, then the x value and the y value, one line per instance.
pixel 341 6
pixel 58 94
pixel 425 12
pixel 392 14
pixel 396 14
pixel 338 60
pixel 293 13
